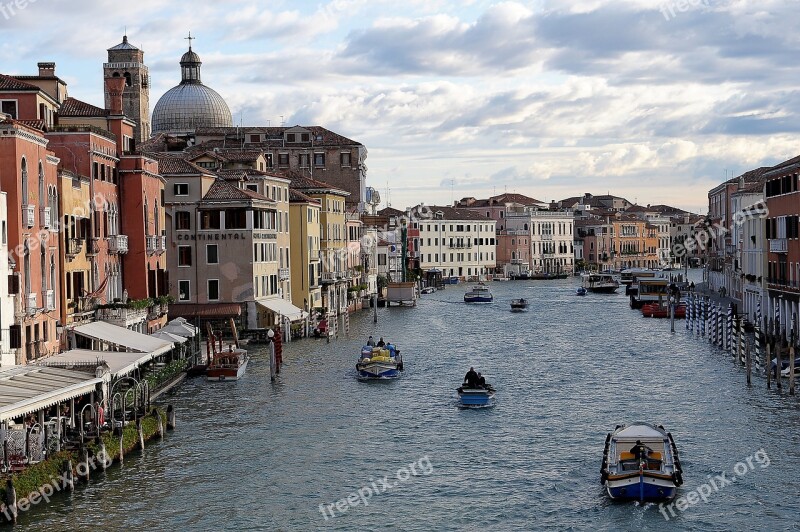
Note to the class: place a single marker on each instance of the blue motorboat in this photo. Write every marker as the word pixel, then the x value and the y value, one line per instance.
pixel 784 367
pixel 581 291
pixel 379 363
pixel 476 396
pixel 640 462
pixel 453 279
pixel 479 294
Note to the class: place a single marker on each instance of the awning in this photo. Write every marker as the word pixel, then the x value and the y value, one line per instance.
pixel 179 329
pixel 124 338
pixel 284 308
pixel 211 310
pixel 169 337
pixel 119 363
pixel 27 389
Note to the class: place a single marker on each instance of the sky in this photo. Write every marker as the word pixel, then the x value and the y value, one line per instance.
pixel 654 101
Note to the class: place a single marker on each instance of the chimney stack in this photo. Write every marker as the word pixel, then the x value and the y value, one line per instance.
pixel 115 87
pixel 47 70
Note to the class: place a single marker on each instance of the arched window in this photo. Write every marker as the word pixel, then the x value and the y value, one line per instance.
pixel 44 270
pixel 52 272
pixel 128 79
pixel 146 214
pixel 24 181
pixel 155 220
pixel 26 266
pixel 41 197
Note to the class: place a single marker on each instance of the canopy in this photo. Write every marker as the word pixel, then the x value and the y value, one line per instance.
pixel 120 363
pixel 27 389
pixel 215 311
pixel 169 337
pixel 180 327
pixel 284 308
pixel 125 338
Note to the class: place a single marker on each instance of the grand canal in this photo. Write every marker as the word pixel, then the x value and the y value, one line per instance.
pixel 259 456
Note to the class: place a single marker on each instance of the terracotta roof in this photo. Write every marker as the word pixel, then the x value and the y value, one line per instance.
pixel 175 164
pixel 246 156
pixel 307 184
pixel 239 174
pixel 14 84
pixel 430 212
pixel 205 153
pixel 35 124
pixel 74 107
pixel 390 211
pixel 221 190
pixel 295 196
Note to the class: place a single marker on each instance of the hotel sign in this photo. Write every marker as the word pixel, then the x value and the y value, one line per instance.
pixel 226 236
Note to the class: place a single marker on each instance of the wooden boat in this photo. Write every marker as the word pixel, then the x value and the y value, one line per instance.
pixel 600 283
pixel 655 310
pixel 519 305
pixel 640 462
pixel 228 365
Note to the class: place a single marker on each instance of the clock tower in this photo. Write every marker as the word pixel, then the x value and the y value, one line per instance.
pixel 127 61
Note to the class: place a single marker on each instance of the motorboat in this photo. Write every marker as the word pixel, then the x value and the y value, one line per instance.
pixel 519 305
pixel 640 462
pixel 546 276
pixel 476 396
pixel 600 283
pixel 228 365
pixel 378 363
pixel 479 294
pixel 581 291
pixel 453 279
pixel 428 290
pixel 657 310
pixel 501 279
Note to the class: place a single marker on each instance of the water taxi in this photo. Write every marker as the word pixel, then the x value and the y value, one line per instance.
pixel 600 283
pixel 640 462
pixel 378 363
pixel 479 294
pixel 228 365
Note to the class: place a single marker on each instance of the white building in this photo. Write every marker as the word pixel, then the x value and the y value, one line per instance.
pixel 747 235
pixel 459 242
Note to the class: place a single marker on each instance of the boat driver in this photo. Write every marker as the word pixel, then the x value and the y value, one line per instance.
pixel 471 378
pixel 640 450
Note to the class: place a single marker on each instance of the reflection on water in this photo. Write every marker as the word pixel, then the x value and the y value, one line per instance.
pixel 261 456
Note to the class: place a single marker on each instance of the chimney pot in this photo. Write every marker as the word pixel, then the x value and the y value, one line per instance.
pixel 46 69
pixel 115 88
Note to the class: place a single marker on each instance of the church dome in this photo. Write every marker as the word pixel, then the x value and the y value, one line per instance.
pixel 190 105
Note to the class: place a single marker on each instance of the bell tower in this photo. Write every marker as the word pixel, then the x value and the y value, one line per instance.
pixel 127 61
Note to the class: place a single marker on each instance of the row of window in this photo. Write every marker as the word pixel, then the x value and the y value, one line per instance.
pixel 783 185
pixel 212 290
pixel 783 227
pixel 460 257
pixel 459 228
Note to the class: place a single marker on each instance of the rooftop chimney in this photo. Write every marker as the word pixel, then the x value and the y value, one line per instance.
pixel 47 70
pixel 115 87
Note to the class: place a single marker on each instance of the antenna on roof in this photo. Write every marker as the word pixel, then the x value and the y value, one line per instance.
pixel 283 122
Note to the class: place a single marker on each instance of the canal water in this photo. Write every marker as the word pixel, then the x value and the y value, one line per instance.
pixel 253 455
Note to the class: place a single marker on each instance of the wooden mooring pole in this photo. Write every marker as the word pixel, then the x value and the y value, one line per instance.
pixel 791 369
pixel 748 362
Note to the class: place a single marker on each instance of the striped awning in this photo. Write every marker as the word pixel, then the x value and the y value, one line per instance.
pixel 28 389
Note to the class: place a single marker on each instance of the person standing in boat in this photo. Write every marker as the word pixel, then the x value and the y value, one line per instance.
pixel 640 450
pixel 471 378
pixel 381 343
pixel 481 381
pixel 371 341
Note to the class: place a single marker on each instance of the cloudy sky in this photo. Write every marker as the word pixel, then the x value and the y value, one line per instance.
pixel 550 98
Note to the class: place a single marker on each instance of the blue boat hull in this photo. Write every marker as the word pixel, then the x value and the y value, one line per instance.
pixel 642 489
pixel 476 397
pixel 386 374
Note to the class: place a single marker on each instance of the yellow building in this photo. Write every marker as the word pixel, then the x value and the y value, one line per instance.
pixel 306 265
pixel 74 196
pixel 333 239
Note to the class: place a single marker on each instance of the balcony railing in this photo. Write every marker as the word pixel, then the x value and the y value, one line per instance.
pixel 124 317
pixel 328 277
pixel 50 299
pixel 152 245
pixel 44 217
pixel 779 245
pixel 781 284
pixel 118 244
pixel 546 237
pixel 28 215
pixel 161 244
pixel 283 274
pixel 74 247
pixel 30 304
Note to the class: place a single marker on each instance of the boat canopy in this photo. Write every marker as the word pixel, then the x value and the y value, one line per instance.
pixel 639 431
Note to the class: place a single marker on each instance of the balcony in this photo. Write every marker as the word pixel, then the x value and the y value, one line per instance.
pixel 28 216
pixel 283 274
pixel 44 217
pixel 54 225
pixel 152 244
pixel 328 277
pixel 30 304
pixel 161 244
pixel 118 244
pixel 50 300
pixel 546 237
pixel 783 285
pixel 74 247
pixel 778 245
pixel 313 254
pixel 122 316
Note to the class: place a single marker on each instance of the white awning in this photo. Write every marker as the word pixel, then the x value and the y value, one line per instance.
pixel 284 308
pixel 180 327
pixel 169 337
pixel 120 363
pixel 124 338
pixel 27 389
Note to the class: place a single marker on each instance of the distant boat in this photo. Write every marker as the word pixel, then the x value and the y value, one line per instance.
pixel 546 276
pixel 581 291
pixel 379 363
pixel 451 280
pixel 651 472
pixel 480 396
pixel 501 279
pixel 479 294
pixel 600 283
pixel 519 305
pixel 428 290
